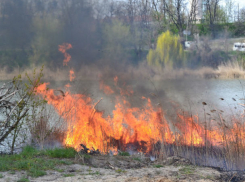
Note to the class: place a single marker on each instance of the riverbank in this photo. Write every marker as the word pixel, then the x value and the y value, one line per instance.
pixel 230 70
pixel 64 165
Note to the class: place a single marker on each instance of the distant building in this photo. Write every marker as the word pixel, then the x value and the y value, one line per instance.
pixel 201 8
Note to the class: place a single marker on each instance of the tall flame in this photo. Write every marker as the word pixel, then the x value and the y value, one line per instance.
pixel 72 75
pixel 141 126
pixel 63 48
pixel 128 125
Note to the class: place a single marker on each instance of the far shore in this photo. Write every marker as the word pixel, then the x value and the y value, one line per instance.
pixel 141 72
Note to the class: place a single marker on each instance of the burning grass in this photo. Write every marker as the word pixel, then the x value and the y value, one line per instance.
pixel 212 140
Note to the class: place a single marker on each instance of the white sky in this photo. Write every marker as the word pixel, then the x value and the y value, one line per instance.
pixel 236 2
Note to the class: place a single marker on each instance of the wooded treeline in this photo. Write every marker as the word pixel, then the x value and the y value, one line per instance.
pixel 102 32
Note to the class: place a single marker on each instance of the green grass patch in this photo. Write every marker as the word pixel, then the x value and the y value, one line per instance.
pixel 36 162
pixel 120 171
pixel 158 166
pixel 60 170
pixel 11 172
pixel 90 173
pixel 1 175
pixel 68 175
pixel 65 162
pixel 23 179
pixel 36 172
pixel 62 152
pixel 97 173
pixel 124 154
pixel 137 159
pixel 187 170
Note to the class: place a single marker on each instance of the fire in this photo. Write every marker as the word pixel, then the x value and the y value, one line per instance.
pixel 115 80
pixel 143 127
pixel 127 125
pixel 63 48
pixel 105 88
pixel 72 75
pixel 88 126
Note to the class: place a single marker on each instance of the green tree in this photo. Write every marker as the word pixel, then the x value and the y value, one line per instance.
pixel 168 53
pixel 46 39
pixel 116 39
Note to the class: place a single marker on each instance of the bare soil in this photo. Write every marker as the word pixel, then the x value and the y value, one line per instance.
pixel 127 169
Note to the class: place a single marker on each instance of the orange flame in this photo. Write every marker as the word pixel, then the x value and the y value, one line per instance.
pixel 107 89
pixel 67 85
pixel 142 126
pixel 63 48
pixel 72 75
pixel 88 126
pixel 115 80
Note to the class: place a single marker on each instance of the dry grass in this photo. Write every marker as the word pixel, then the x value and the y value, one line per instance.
pixel 231 70
pixel 224 149
pixel 224 71
pixel 85 72
pixel 46 126
pixel 228 70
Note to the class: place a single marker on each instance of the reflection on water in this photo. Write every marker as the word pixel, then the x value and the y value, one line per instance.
pixel 194 92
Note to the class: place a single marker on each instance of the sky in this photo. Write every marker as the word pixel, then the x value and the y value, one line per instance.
pixel 241 3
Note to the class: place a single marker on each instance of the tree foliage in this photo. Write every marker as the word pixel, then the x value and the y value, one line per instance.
pixel 168 53
pixel 46 38
pixel 116 38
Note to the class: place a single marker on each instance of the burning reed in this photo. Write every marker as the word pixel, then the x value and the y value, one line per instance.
pixel 204 140
pixel 212 140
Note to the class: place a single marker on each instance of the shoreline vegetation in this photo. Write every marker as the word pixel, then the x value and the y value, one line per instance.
pixel 230 70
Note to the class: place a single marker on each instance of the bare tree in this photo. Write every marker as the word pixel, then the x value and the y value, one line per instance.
pixel 15 100
pixel 192 15
pixel 175 11
pixel 212 7
pixel 242 15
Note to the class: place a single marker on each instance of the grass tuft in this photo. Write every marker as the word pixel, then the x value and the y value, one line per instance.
pixel 36 172
pixel 124 154
pixel 62 152
pixel 158 166
pixel 187 170
pixel 23 179
pixel 137 159
pixel 28 151
pixel 120 171
pixel 68 175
